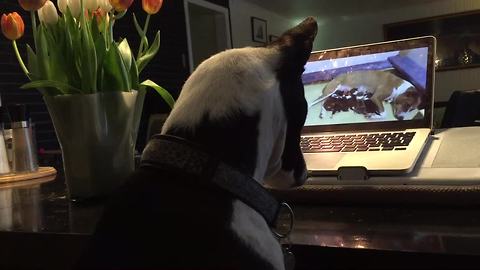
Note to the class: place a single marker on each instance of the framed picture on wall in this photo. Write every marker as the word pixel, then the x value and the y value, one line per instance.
pixel 272 38
pixel 458 37
pixel 259 30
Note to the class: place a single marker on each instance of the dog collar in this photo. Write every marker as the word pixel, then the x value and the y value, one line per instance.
pixel 178 153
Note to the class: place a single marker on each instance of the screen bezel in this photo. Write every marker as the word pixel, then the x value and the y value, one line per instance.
pixel 396 45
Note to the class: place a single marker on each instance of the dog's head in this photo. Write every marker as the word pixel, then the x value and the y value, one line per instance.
pixel 295 46
pixel 407 102
pixel 248 106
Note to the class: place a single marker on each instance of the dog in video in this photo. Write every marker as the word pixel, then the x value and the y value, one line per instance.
pixel 197 201
pixel 365 92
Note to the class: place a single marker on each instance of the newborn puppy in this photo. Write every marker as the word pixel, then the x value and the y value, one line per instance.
pixel 382 85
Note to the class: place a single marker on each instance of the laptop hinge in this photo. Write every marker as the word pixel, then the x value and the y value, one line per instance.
pixel 358 173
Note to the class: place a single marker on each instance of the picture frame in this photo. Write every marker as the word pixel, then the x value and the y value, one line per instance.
pixel 259 30
pixel 272 38
pixel 458 37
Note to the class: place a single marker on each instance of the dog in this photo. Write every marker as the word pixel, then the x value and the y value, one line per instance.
pixel 238 116
pixel 384 86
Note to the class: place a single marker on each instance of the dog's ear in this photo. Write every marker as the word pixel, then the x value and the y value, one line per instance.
pixel 296 44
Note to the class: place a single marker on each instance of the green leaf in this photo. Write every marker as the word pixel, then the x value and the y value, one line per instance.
pixel 145 45
pixel 149 54
pixel 126 53
pixel 115 76
pixel 160 90
pixel 100 49
pixel 137 26
pixel 63 87
pixel 42 53
pixel 72 47
pixel 134 76
pixel 88 57
pixel 32 63
pixel 140 33
pixel 57 61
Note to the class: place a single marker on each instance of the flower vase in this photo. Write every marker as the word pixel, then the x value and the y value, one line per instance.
pixel 97 134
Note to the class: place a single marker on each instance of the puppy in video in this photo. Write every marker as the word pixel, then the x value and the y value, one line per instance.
pixel 365 92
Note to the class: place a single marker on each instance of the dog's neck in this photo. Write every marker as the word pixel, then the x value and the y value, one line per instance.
pixel 243 126
pixel 242 123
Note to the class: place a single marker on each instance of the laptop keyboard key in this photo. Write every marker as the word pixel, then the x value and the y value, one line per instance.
pixel 357 142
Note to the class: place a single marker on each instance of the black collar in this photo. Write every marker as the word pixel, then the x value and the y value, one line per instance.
pixel 178 153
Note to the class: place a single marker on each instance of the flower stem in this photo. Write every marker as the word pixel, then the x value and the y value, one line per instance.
pixel 140 48
pixel 112 23
pixel 20 60
pixel 34 28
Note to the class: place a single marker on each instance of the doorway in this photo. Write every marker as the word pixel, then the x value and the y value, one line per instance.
pixel 208 30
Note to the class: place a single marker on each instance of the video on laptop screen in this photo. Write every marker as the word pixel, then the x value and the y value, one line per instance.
pixel 370 87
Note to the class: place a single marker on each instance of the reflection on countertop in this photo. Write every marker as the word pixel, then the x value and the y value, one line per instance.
pixel 423 229
pixel 43 209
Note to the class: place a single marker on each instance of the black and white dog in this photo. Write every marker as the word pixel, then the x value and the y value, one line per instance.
pixel 238 118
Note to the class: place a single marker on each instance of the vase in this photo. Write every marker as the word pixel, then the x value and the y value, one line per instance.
pixel 97 134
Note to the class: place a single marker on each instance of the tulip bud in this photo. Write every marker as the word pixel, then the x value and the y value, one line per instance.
pixel 152 6
pixel 121 5
pixel 12 26
pixel 62 5
pixel 31 5
pixel 105 5
pixel 90 5
pixel 75 7
pixel 102 18
pixel 48 13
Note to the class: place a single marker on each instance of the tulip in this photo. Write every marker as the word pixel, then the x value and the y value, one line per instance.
pixel 152 6
pixel 105 5
pixel 62 5
pixel 12 26
pixel 90 5
pixel 121 5
pixel 31 5
pixel 101 17
pixel 75 7
pixel 48 13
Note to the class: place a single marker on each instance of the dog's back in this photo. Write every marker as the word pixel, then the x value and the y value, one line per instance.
pixel 169 219
pixel 246 107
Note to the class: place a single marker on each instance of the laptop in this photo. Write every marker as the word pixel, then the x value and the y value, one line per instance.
pixel 370 107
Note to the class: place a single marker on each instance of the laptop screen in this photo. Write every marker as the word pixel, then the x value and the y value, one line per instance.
pixel 381 85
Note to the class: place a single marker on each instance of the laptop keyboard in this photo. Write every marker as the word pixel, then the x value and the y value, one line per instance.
pixel 396 141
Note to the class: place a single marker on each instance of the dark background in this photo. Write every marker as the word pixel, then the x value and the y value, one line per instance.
pixel 169 68
pixel 458 37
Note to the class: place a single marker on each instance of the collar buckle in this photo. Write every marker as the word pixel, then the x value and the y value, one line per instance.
pixel 290 221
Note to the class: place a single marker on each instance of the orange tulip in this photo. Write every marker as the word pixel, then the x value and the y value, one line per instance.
pixel 30 5
pixel 12 26
pixel 152 6
pixel 121 5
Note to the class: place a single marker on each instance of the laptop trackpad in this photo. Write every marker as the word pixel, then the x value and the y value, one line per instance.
pixel 322 162
pixel 456 149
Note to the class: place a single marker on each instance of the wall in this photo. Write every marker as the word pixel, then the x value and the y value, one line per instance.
pixel 351 30
pixel 240 16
